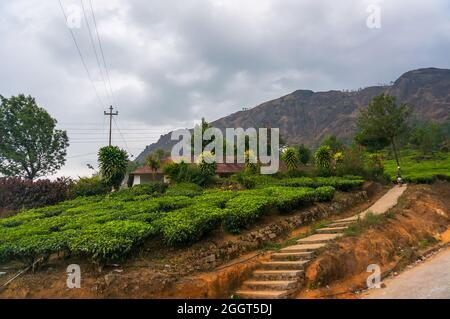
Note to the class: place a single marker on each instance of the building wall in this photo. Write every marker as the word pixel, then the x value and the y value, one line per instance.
pixel 147 178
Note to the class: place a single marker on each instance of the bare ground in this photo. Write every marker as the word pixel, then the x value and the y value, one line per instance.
pixel 419 222
pixel 158 272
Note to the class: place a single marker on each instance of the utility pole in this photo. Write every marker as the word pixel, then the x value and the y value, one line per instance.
pixel 111 114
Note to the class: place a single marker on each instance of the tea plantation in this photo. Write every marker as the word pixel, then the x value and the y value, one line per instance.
pixel 107 228
pixel 417 168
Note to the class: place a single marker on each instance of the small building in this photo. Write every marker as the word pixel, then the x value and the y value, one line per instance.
pixel 228 169
pixel 145 174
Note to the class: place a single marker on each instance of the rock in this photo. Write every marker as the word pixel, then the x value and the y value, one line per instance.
pixel 272 235
pixel 210 258
pixel 109 279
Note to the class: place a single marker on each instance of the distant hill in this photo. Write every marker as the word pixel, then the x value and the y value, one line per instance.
pixel 307 117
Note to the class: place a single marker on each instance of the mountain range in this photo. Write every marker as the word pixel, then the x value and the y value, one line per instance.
pixel 305 116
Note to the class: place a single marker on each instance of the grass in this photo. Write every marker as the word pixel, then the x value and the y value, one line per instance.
pixel 417 168
pixel 370 220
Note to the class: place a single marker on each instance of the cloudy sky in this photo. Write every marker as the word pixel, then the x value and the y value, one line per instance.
pixel 172 62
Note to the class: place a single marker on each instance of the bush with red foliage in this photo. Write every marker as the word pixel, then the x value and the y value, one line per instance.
pixel 17 193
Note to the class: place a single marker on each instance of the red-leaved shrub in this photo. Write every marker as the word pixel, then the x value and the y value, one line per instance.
pixel 17 193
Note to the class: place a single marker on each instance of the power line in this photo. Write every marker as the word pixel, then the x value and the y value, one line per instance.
pixel 95 50
pixel 81 55
pixel 126 145
pixel 102 53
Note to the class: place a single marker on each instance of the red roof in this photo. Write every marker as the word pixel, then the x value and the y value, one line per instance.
pixel 146 170
pixel 229 168
pixel 222 168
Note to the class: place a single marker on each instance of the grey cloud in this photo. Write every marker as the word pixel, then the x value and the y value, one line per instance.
pixel 172 62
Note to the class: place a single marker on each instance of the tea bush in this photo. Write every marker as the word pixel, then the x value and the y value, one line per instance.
pixel 184 189
pixel 108 228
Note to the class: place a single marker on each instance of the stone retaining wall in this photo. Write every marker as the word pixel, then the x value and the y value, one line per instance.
pixel 208 258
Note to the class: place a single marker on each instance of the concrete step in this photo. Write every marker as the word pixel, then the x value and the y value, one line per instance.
pixel 262 294
pixel 303 247
pixel 348 219
pixel 331 230
pixel 284 265
pixel 340 224
pixel 277 274
pixel 318 238
pixel 303 255
pixel 276 285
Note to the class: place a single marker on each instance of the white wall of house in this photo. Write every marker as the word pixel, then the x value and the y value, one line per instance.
pixel 137 179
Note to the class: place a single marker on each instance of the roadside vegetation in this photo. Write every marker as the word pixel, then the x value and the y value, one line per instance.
pixel 109 227
pixel 98 217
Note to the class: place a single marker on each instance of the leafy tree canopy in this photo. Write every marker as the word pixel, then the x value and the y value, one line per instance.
pixel 382 122
pixel 113 165
pixel 30 146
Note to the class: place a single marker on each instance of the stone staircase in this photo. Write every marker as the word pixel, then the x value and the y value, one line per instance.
pixel 283 275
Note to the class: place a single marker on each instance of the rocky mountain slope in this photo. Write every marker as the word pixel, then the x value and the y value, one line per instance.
pixel 307 117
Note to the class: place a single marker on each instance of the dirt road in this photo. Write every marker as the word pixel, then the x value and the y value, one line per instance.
pixel 429 280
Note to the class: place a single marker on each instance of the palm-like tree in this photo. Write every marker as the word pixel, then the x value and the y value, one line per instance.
pixel 290 158
pixel 154 164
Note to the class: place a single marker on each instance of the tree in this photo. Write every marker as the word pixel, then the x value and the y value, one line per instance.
pixel 30 146
pixel 113 165
pixel 290 158
pixel 204 126
pixel 428 137
pixel 154 163
pixel 382 123
pixel 304 154
pixel 334 143
pixel 160 154
pixel 323 157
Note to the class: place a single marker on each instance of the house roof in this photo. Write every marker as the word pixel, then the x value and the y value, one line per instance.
pixel 222 168
pixel 146 170
pixel 229 168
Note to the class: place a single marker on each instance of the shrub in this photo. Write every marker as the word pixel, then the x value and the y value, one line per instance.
pixel 184 189
pixel 343 184
pixel 244 211
pixel 17 193
pixel 113 165
pixel 290 159
pixel 110 241
pixel 189 224
pixel 153 188
pixel 304 154
pixel 88 186
pixel 323 157
pixel 190 173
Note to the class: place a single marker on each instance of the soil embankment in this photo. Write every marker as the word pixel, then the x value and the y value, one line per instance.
pixel 417 224
pixel 212 268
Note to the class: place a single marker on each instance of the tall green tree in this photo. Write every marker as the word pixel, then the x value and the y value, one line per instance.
pixel 304 154
pixel 30 146
pixel 113 165
pixel 382 123
pixel 154 163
